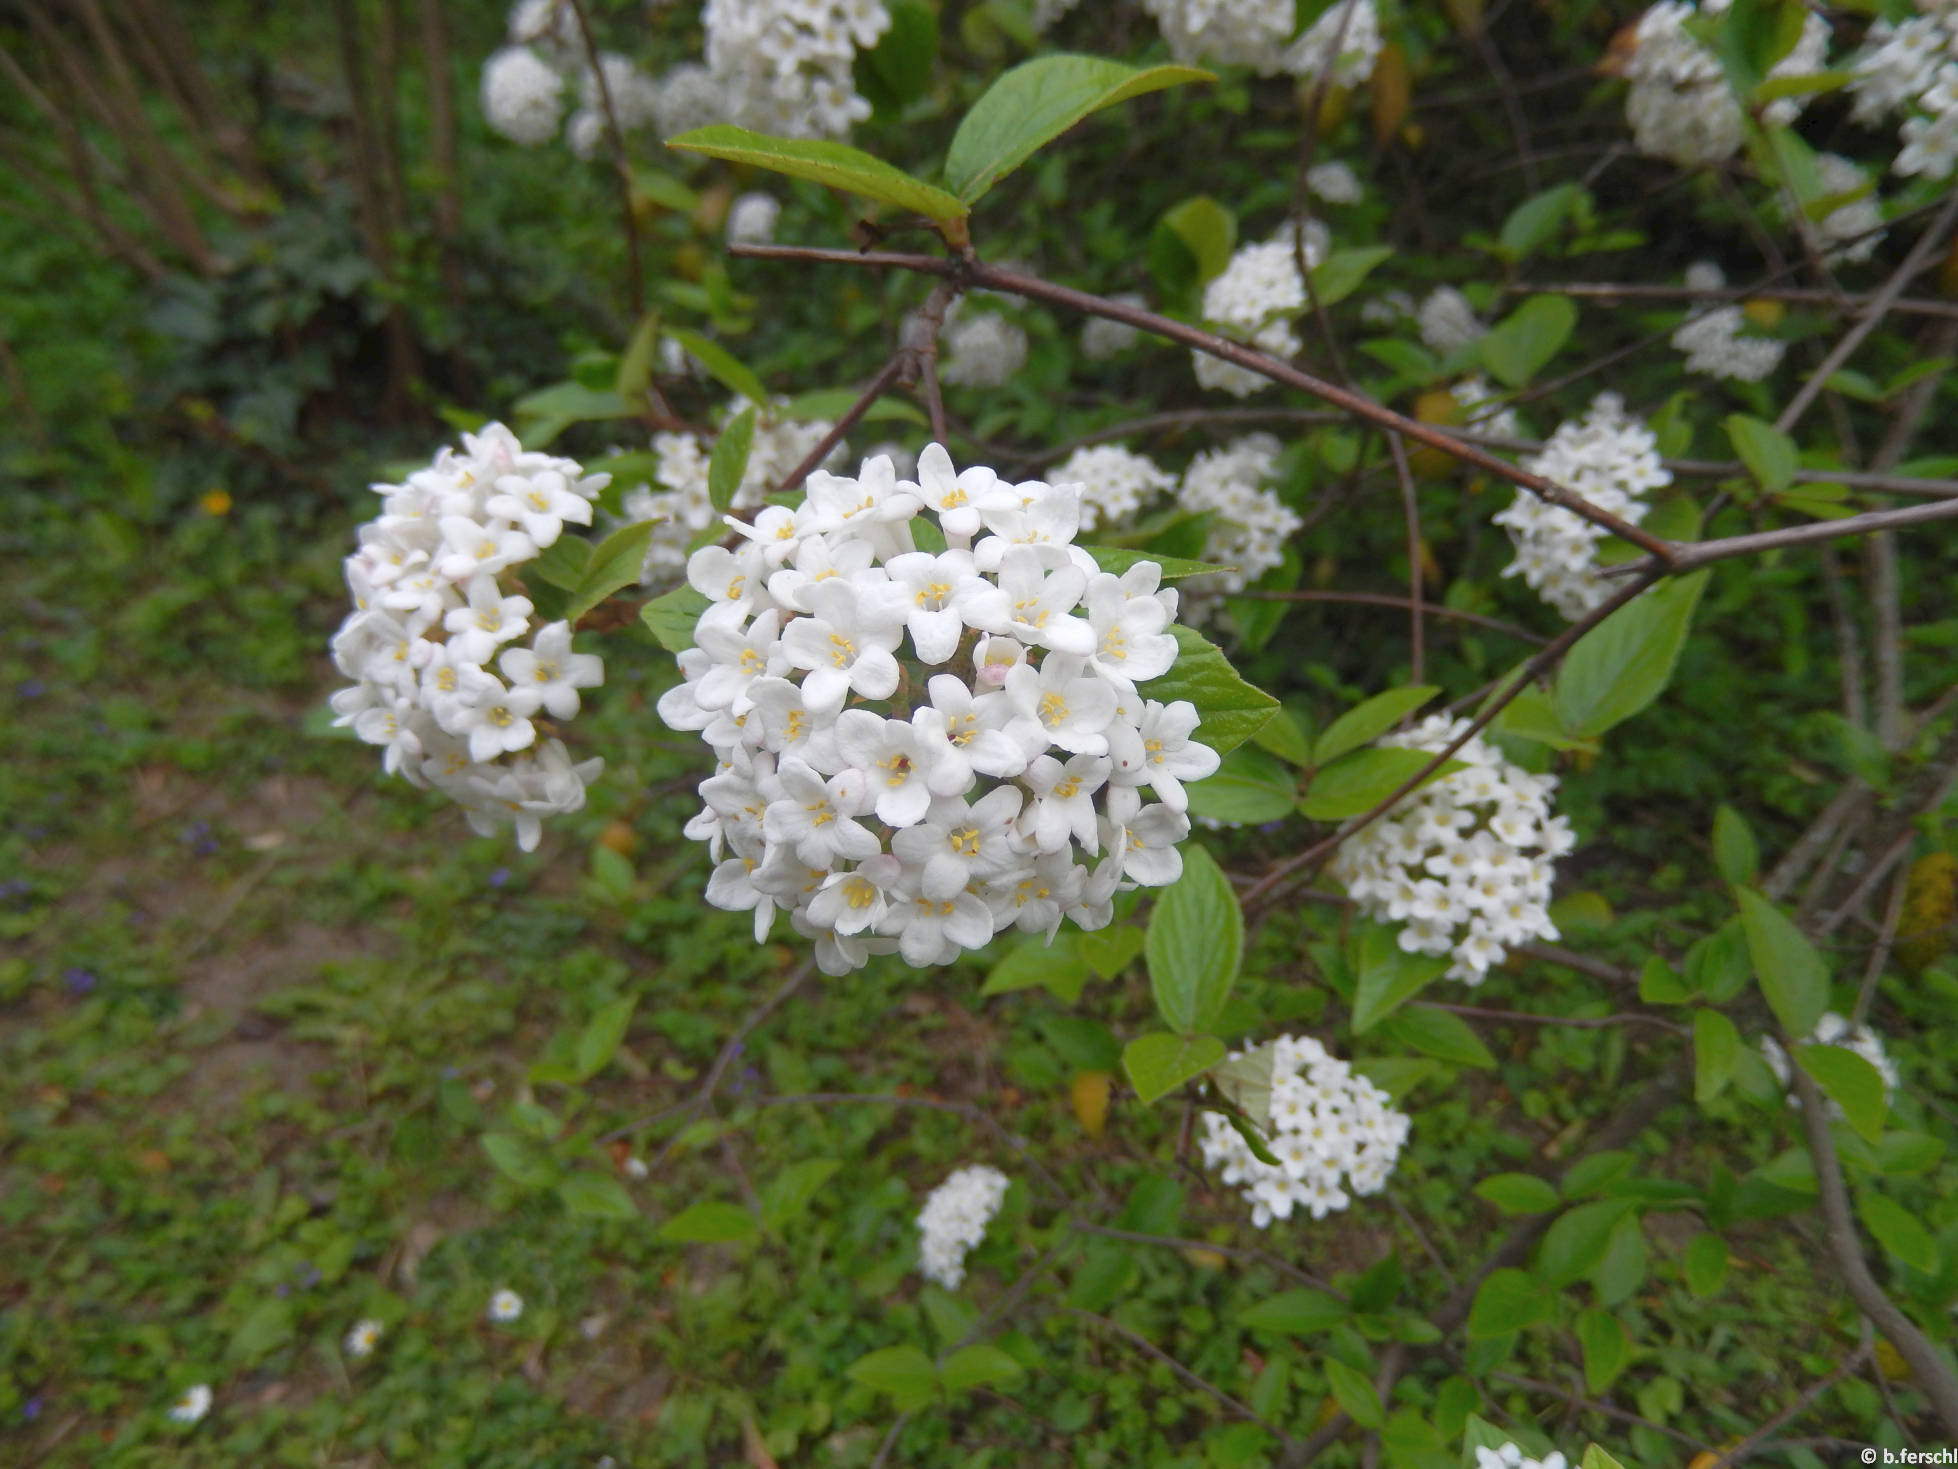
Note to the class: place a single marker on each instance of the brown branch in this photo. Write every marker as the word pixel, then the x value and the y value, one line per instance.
pixel 844 423
pixel 971 274
pixel 1794 295
pixel 1384 599
pixel 1692 555
pixel 1576 1022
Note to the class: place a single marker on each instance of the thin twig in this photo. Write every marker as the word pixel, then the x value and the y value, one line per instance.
pixel 635 288
pixel 844 423
pixel 1761 1436
pixel 1886 936
pixel 1692 555
pixel 1591 1405
pixel 1575 1022
pixel 1794 295
pixel 1384 599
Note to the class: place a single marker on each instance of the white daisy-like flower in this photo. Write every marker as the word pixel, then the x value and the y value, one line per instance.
pixel 361 1340
pixel 505 1306
pixel 192 1405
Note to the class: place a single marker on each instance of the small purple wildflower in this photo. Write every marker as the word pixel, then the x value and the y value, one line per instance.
pixel 31 688
pixel 499 876
pixel 78 980
pixel 31 1409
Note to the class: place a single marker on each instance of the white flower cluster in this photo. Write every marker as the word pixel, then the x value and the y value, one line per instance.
pixel 1049 12
pixel 1447 322
pixel 1509 1456
pixel 954 1219
pixel 784 66
pixel 1611 459
pixel 1115 482
pixel 1102 339
pixel 1852 230
pixel 431 615
pixel 1252 523
pixel 1715 340
pixel 1255 299
pixel 1258 34
pixel 1334 182
pixel 1465 863
pixel 1680 107
pixel 1911 66
pixel 523 84
pixel 1329 1127
pixel 1835 1030
pixel 862 822
pixel 681 508
pixel 981 351
pixel 751 219
pixel 1483 407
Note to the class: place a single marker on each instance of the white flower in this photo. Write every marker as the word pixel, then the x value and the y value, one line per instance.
pixel 1065 701
pixel 1102 338
pixel 751 219
pixel 983 351
pixel 1714 340
pixel 1144 839
pixel 888 753
pixel 1162 755
pixel 522 96
pixel 1033 605
pixel 1256 298
pixel 1327 1127
pixel 1509 1456
pixel 815 816
pixel 192 1405
pixel 362 1339
pixel 784 66
pixel 931 593
pixel 1334 182
pixel 552 670
pixel 957 844
pixel 1115 482
pixel 1680 106
pixel 541 503
pixel 1251 525
pixel 846 645
pixel 1258 34
pixel 954 1219
pixel 505 1306
pixel 1447 322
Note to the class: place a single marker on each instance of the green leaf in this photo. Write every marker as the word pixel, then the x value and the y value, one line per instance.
pixel 1803 84
pixel 1768 453
pixel 1365 722
pixel 1577 1240
pixel 592 1195
pixel 1659 984
pixel 1734 849
pixel 835 165
pixel 520 1159
pixel 1341 273
pixel 615 562
pixel 1295 1313
pixel 899 68
pixel 1596 1458
pixel 1706 1264
pixel 1507 1301
pixel 1518 1193
pixel 562 564
pixel 1109 950
pixel 1716 1049
pixel 672 617
pixel 1245 1082
pixel 709 1223
pixel 1359 781
pixel 636 365
pixel 1355 1394
pixel 906 1373
pixel 602 1035
pixel 1852 1083
pixel 1035 103
pixel 1536 219
pixel 1118 559
pixel 1625 662
pixel 1438 1033
pixel 269 1327
pixel 1206 231
pixel 1248 789
pixel 1195 943
pixel 1522 342
pixel 1532 716
pixel 1386 975
pixel 830 404
pixel 543 415
pixel 1790 972
pixel 1898 1231
pixel 787 1196
pixel 1607 1352
pixel 978 1365
pixel 1057 967
pixel 721 365
pixel 1231 710
pixel 729 461
pixel 1158 1064
pixel 1285 738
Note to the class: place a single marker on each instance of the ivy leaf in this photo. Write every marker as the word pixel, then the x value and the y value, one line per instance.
pixel 1194 945
pixel 1230 709
pixel 836 165
pixel 1361 724
pixel 1035 103
pixel 1625 662
pixel 729 461
pixel 1790 972
pixel 1158 1064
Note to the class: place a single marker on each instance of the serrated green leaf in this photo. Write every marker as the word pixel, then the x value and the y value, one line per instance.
pixel 729 461
pixel 1790 972
pixel 1365 722
pixel 602 1035
pixel 1285 738
pixel 1518 1193
pixel 593 1195
pixel 1522 342
pixel 1295 1313
pixel 836 165
pixel 1438 1033
pixel 1362 779
pixel 672 617
pixel 1507 1301
pixel 1035 103
pixel 1194 945
pixel 615 562
pixel 707 1223
pixel 1231 710
pixel 1851 1082
pixel 1624 663
pixel 1607 1352
pixel 1158 1064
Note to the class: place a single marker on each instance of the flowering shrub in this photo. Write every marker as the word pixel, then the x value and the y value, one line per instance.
pixel 954 1219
